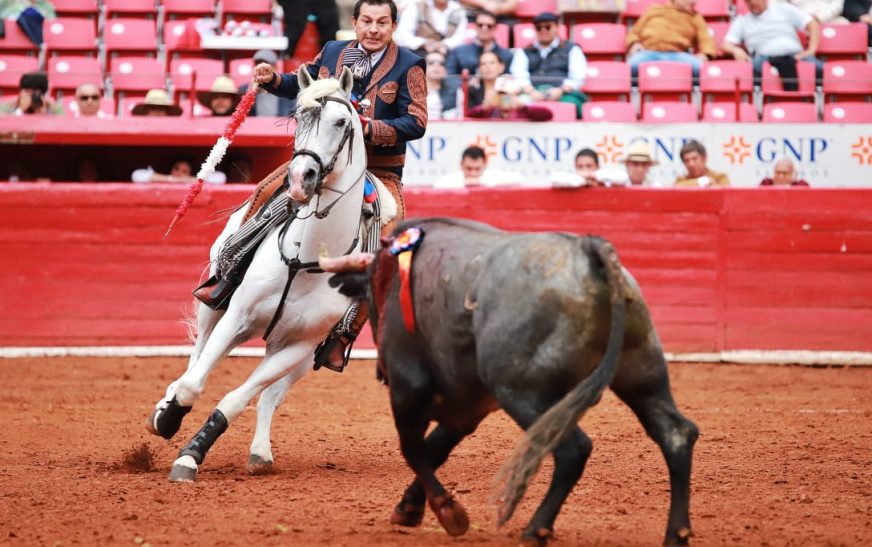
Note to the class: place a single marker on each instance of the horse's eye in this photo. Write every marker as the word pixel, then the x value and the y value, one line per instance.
pixel 340 122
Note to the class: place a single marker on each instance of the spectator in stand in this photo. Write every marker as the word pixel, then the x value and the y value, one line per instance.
pixel 267 104
pixel 432 25
pixel 587 173
pixel 550 69
pixel 441 98
pixel 295 14
pixel 666 32
pixel 483 88
pixel 157 102
pixel 86 169
pixel 239 169
pixel 639 162
pixel 32 97
pixel 507 105
pixel 769 33
pixel 181 171
pixel 222 97
pixel 784 175
pixel 467 56
pixel 859 11
pixel 87 101
pixel 694 156
pixel 504 9
pixel 825 11
pixel 474 172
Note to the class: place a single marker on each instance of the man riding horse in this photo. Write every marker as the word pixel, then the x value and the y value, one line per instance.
pixel 390 92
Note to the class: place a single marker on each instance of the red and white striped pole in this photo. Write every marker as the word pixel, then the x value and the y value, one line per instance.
pixel 217 153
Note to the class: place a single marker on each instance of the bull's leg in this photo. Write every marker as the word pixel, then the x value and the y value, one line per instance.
pixel 439 444
pixel 675 435
pixel 570 457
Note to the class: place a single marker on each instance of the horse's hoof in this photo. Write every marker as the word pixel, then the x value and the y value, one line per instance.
pixel 184 470
pixel 259 466
pixel 166 422
pixel 452 516
pixel 682 537
pixel 407 514
pixel 539 538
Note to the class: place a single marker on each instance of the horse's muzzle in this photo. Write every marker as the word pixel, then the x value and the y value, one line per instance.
pixel 303 176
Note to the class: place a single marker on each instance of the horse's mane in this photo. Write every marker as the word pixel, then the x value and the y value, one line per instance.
pixel 308 98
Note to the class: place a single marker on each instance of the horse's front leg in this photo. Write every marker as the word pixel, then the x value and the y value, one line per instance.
pixel 287 361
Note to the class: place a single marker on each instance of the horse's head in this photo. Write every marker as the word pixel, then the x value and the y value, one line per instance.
pixel 326 124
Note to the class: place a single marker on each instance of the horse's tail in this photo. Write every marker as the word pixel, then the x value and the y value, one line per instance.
pixel 550 429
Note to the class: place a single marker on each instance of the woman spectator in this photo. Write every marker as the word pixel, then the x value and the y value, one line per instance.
pixel 483 88
pixel 440 98
pixel 507 105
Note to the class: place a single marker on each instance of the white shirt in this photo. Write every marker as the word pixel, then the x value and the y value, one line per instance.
pixel 772 33
pixel 406 35
pixel 489 179
pixel 520 67
pixel 141 176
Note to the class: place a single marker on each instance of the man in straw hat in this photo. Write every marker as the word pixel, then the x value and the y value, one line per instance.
pixel 157 102
pixel 221 98
pixel 638 162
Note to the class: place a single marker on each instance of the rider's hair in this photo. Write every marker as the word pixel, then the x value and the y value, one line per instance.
pixel 390 3
pixel 588 153
pixel 473 153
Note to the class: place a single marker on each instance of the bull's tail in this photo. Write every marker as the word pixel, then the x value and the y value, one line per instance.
pixel 550 429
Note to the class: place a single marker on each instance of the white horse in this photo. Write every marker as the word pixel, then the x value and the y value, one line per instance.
pixel 329 165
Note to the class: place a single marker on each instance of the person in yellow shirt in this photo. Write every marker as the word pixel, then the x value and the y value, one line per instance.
pixel 670 32
pixel 694 156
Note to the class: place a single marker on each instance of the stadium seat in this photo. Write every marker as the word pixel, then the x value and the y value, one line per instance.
pixel 246 9
pixel 562 112
pixel 790 112
pixel 16 41
pixel 126 103
pixel 607 80
pixel 525 33
pixel 848 113
pixel 501 34
pixel 847 80
pixel 176 41
pixel 127 8
pixel 717 80
pixel 601 41
pixel 188 8
pixel 843 42
pixel 136 75
pixel 635 8
pixel 240 70
pixel 526 10
pixel 65 8
pixel 771 83
pixel 70 34
pixel 740 7
pixel 717 30
pixel 608 111
pixel 726 112
pixel 66 73
pixel 182 70
pixel 665 81
pixel 11 69
pixel 129 35
pixel 107 105
pixel 713 10
pixel 670 112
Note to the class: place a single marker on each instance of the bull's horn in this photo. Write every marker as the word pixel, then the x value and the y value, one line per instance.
pixel 355 262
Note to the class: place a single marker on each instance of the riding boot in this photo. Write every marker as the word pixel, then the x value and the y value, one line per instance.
pixel 334 352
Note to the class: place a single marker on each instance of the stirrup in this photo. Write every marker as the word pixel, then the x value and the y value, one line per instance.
pixel 216 292
pixel 325 350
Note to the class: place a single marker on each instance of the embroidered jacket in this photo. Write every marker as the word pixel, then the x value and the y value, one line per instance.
pixel 396 90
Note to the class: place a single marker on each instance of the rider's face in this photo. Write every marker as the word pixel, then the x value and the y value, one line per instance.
pixel 374 27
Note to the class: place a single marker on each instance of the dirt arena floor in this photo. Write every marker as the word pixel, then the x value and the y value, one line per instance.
pixel 784 458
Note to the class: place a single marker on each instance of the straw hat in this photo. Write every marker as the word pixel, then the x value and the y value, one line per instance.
pixel 156 97
pixel 639 151
pixel 221 84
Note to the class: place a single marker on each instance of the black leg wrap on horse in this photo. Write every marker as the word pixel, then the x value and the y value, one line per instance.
pixel 169 421
pixel 215 425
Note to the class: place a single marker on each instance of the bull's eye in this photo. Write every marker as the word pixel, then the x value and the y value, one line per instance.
pixel 340 122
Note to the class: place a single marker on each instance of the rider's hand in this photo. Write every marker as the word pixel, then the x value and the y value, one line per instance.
pixel 264 73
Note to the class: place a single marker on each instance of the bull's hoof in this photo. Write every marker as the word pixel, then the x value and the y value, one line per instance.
pixel 166 422
pixel 259 466
pixel 681 537
pixel 184 470
pixel 536 538
pixel 407 514
pixel 452 516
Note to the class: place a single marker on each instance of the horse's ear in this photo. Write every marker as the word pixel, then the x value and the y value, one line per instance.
pixel 303 77
pixel 346 81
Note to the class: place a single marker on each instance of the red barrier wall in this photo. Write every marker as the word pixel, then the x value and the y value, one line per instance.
pixel 721 269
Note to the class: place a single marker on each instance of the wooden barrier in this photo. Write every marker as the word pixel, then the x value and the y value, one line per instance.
pixel 721 269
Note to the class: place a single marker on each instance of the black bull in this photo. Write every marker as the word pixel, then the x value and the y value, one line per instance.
pixel 536 324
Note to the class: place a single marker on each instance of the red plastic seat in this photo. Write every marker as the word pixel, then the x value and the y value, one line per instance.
pixel 843 41
pixel 240 70
pixel 528 9
pixel 771 83
pixel 562 112
pixel 182 70
pixel 130 7
pixel 717 80
pixel 136 75
pixel 126 103
pixel 69 34
pixel 188 8
pixel 607 80
pixel 718 30
pixel 740 7
pixel 635 8
pixel 790 113
pixel 847 80
pixel 608 111
pixel 848 112
pixel 107 105
pixel 601 41
pixel 11 69
pixel 669 112
pixel 247 9
pixel 525 33
pixel 713 10
pixel 726 112
pixel 16 41
pixel 129 35
pixel 76 7
pixel 66 73
pixel 665 81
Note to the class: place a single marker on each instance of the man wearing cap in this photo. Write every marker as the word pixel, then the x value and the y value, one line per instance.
pixel 267 104
pixel 221 98
pixel 550 69
pixel 32 98
pixel 638 162
pixel 391 90
pixel 157 102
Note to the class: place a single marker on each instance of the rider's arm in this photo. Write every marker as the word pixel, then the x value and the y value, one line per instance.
pixel 287 85
pixel 411 122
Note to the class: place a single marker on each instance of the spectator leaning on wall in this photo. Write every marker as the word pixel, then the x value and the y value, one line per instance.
pixel 784 175
pixel 32 97
pixel 695 160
